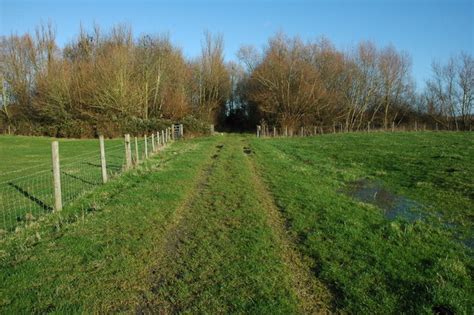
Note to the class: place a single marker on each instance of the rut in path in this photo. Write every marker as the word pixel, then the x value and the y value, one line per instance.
pixel 228 251
pixel 313 296
pixel 172 231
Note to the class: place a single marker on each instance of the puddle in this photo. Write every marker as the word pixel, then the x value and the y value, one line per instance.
pixel 469 242
pixel 392 205
pixel 247 150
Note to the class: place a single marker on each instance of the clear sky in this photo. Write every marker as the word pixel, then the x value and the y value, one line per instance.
pixel 427 29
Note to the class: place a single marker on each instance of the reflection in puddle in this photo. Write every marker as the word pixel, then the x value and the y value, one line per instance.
pixel 393 206
pixel 468 242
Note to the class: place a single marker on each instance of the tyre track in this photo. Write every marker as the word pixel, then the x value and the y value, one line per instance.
pixel 310 296
pixel 173 233
pixel 313 296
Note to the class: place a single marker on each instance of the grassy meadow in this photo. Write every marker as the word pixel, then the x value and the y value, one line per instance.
pixel 376 223
pixel 409 251
pixel 23 156
pixel 26 173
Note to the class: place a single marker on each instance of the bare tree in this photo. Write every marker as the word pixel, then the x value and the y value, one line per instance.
pixel 450 92
pixel 211 79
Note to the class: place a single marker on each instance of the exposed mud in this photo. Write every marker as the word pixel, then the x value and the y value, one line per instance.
pixel 247 150
pixel 442 310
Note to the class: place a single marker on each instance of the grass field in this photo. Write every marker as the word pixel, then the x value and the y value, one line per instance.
pixel 26 173
pixel 352 223
pixel 407 251
pixel 22 156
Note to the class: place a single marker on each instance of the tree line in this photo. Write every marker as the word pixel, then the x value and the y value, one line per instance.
pixel 294 83
pixel 108 82
pixel 111 82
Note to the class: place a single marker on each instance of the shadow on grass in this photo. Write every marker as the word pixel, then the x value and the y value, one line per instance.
pixel 31 197
pixel 85 181
pixel 114 167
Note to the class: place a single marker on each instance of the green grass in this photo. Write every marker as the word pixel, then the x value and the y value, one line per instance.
pixel 26 177
pixel 223 256
pixel 372 264
pixel 210 226
pixel 99 262
pixel 22 156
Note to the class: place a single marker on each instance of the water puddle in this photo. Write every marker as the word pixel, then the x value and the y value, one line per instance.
pixel 392 205
pixel 469 242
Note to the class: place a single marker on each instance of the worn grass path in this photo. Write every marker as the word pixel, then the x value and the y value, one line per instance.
pixel 229 252
pixel 194 230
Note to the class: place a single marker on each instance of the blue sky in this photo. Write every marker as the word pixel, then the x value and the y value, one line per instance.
pixel 427 30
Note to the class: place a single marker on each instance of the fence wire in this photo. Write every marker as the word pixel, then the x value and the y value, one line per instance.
pixel 23 199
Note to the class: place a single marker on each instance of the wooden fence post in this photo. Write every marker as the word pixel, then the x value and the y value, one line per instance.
pixel 258 131
pixel 286 131
pixel 58 201
pixel 128 152
pixel 153 149
pixel 334 126
pixel 163 137
pixel 368 126
pixel 393 126
pixel 172 132
pixel 181 131
pixel 211 127
pixel 103 163
pixel 137 157
pixel 146 145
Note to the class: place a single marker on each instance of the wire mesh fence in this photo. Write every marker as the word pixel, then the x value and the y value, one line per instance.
pixel 24 198
pixel 26 194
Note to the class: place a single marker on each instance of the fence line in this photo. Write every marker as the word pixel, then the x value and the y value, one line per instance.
pixel 24 199
pixel 264 130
